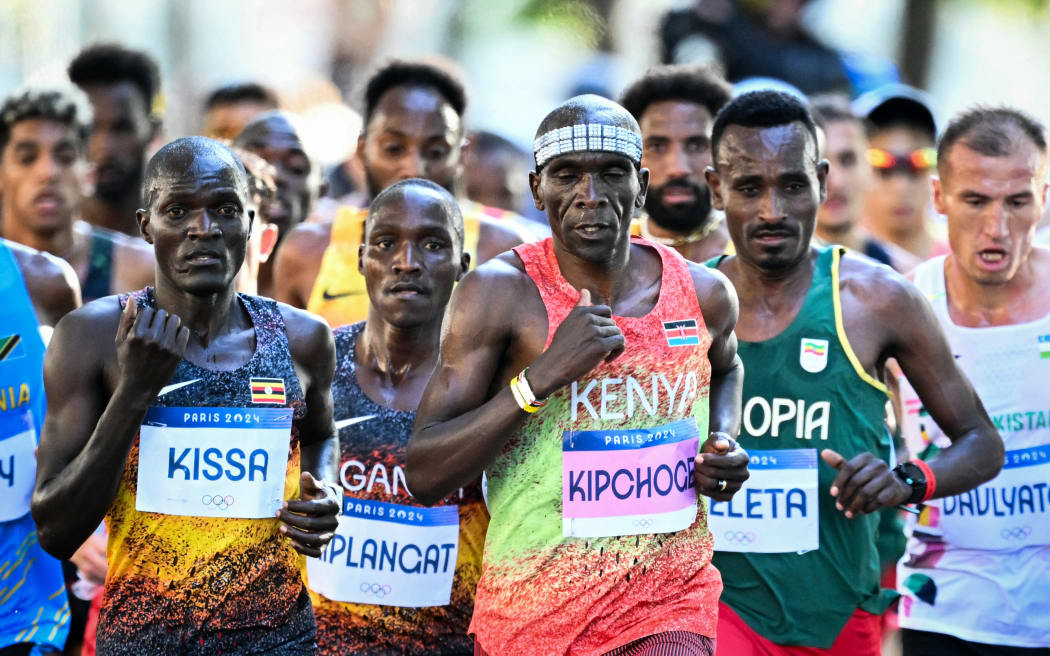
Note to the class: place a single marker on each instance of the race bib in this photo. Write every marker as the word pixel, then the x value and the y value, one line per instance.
pixel 629 482
pixel 389 555
pixel 17 465
pixel 775 511
pixel 213 462
pixel 1012 510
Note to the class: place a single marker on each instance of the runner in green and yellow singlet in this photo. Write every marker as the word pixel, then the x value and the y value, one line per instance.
pixel 797 545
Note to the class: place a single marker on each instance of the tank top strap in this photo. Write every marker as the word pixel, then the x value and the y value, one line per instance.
pixel 269 324
pixel 677 289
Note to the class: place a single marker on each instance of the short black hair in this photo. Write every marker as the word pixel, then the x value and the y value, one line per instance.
pixel 762 109
pixel 399 73
pixel 903 112
pixel 990 131
pixel 833 108
pixel 68 107
pixel 399 189
pixel 110 63
pixel 693 84
pixel 483 141
pixel 177 153
pixel 241 92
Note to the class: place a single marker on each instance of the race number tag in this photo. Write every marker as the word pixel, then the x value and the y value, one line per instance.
pixel 1012 510
pixel 629 482
pixel 775 511
pixel 213 462
pixel 17 465
pixel 389 555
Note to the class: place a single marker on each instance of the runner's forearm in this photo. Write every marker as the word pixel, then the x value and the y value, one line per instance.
pixel 972 459
pixel 321 459
pixel 69 507
pixel 725 403
pixel 448 455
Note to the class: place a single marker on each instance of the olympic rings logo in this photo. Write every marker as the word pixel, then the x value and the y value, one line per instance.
pixel 743 537
pixel 375 589
pixel 643 523
pixel 219 501
pixel 1016 533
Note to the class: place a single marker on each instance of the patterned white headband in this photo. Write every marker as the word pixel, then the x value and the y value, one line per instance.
pixel 589 137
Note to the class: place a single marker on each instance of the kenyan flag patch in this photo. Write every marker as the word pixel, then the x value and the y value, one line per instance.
pixel 1044 347
pixel 683 332
pixel 268 390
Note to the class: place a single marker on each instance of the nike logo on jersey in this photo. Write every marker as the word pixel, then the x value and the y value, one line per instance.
pixel 343 423
pixel 171 388
pixel 329 296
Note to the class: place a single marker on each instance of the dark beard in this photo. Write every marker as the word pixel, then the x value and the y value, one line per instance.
pixel 682 219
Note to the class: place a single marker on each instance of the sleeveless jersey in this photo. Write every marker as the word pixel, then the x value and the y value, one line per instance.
pixel 543 593
pixel 978 564
pixel 33 607
pixel 339 294
pixel 373 441
pixel 208 583
pixel 804 390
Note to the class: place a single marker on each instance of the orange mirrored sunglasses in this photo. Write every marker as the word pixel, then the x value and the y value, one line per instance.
pixel 915 162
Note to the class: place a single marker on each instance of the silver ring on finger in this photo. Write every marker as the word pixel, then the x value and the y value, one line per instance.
pixel 721 486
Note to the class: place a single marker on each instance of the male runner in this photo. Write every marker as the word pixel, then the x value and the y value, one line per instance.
pixel 493 168
pixel 229 108
pixel 816 326
pixel 597 542
pixel 262 190
pixel 41 163
pixel 901 144
pixel 413 129
pixel 849 176
pixel 275 136
pixel 675 106
pixel 417 595
pixel 191 433
pixel 976 578
pixel 121 85
pixel 38 289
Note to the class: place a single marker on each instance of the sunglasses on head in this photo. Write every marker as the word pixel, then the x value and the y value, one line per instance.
pixel 913 163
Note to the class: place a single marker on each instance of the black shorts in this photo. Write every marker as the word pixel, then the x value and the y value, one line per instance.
pixel 927 643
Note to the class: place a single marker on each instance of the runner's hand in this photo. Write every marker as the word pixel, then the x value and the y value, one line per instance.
pixel 150 344
pixel 90 559
pixel 310 521
pixel 864 484
pixel 721 459
pixel 586 338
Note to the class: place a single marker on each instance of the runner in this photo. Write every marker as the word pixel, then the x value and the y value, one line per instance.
pixel 977 572
pixel 413 129
pixel 675 106
pixel 413 256
pixel 262 189
pixel 121 85
pixel 816 326
pixel 38 289
pixel 849 177
pixel 197 561
pixel 902 140
pixel 41 167
pixel 229 108
pixel 493 168
pixel 605 400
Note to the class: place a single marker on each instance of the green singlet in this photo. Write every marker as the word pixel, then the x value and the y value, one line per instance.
pixel 806 389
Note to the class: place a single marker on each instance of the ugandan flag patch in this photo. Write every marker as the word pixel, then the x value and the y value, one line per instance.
pixel 11 348
pixel 267 390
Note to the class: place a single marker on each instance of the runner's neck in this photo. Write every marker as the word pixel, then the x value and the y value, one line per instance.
pixel 207 317
pixel 1019 300
pixel 394 353
pixel 608 281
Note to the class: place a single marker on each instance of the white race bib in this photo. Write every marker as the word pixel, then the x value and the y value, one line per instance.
pixel 389 555
pixel 213 462
pixel 17 466
pixel 775 511
pixel 1012 510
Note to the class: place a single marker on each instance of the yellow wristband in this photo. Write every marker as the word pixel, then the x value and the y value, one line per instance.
pixel 519 398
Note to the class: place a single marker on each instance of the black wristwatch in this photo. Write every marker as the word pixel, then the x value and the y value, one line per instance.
pixel 914 478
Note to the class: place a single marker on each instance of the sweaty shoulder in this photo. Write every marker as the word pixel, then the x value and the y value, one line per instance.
pixel 306 331
pixel 500 286
pixel 51 282
pixel 716 296
pixel 874 292
pixel 90 329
